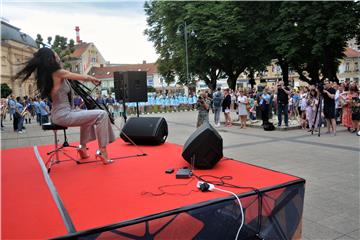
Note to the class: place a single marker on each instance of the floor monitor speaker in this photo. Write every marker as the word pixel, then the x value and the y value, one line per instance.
pixel 145 130
pixel 204 148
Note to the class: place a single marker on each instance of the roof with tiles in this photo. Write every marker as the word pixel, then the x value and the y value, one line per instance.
pixel 108 72
pixel 80 49
pixel 349 52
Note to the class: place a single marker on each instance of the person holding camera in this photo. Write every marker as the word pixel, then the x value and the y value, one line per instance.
pixel 283 93
pixel 217 101
pixel 202 105
pixel 329 106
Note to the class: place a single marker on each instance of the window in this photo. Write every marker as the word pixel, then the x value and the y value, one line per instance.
pixel 17 58
pixel 3 61
pixel 347 67
pixel 94 59
pixel 356 67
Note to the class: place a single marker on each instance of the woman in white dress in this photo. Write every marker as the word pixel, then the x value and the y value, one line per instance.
pixel 242 103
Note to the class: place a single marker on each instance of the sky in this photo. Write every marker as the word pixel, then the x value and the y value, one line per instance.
pixel 115 27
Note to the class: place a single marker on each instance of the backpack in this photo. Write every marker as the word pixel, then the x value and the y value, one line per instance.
pixel 269 126
pixel 217 100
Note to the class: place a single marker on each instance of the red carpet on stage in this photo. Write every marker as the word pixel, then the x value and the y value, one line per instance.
pixel 96 195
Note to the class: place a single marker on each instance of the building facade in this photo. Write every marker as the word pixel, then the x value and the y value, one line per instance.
pixel 106 74
pixel 85 57
pixel 349 68
pixel 16 49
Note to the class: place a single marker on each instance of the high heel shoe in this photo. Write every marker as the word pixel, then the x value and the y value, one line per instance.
pixel 101 156
pixel 82 151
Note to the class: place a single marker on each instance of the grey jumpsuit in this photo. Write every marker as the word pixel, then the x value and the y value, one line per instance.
pixel 63 114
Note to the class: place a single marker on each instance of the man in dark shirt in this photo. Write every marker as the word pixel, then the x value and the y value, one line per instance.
pixel 282 102
pixel 329 106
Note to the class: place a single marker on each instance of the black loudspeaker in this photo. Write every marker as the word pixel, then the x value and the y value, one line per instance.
pixel 130 86
pixel 145 130
pixel 204 148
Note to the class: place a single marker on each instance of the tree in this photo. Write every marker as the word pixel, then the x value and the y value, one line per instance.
pixel 233 37
pixel 5 90
pixel 311 36
pixel 39 41
pixel 227 41
pixel 60 45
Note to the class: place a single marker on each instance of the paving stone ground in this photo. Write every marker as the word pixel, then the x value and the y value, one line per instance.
pixel 329 164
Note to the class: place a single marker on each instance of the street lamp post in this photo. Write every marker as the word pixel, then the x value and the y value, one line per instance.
pixel 186 53
pixel 186 47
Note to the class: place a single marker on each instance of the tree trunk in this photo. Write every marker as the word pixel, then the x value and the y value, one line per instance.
pixel 285 71
pixel 251 78
pixel 330 65
pixel 313 70
pixel 232 81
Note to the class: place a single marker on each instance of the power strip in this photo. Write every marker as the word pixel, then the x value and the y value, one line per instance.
pixel 183 173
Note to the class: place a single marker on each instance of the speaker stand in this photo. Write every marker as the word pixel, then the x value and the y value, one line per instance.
pixel 137 109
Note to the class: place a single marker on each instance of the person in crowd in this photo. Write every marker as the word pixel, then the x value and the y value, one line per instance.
pixel 296 104
pixel 44 112
pixel 29 110
pixel 339 89
pixel 12 110
pixel 345 99
pixel 303 96
pixel 283 93
pixel 242 108
pixel 99 99
pixel 217 101
pixel 37 110
pixel 3 110
pixel 110 101
pixel 203 106
pixel 264 106
pixel 78 102
pixel 226 104
pixel 355 108
pixel 234 104
pixel 329 106
pixel 19 112
pixel 53 82
pixel 210 97
pixel 312 108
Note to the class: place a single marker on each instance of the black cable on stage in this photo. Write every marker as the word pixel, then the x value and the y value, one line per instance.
pixel 164 192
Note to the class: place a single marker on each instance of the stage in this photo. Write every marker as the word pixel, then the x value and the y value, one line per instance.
pixel 134 198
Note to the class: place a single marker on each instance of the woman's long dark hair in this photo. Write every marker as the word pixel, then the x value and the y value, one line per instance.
pixel 44 64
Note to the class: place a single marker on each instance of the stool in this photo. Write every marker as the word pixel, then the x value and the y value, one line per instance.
pixel 54 155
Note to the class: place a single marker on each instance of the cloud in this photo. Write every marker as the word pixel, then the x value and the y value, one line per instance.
pixel 116 28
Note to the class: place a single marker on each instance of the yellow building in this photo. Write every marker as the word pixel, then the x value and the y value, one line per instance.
pixel 16 48
pixel 84 57
pixel 349 68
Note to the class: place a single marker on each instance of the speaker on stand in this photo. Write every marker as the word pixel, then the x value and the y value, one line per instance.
pixel 130 86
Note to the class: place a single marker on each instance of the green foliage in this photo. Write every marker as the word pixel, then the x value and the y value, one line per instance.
pixel 61 46
pixel 151 89
pixel 236 36
pixel 39 40
pixel 5 90
pixel 312 36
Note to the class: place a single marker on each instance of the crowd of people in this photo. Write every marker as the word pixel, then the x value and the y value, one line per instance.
pixel 23 110
pixel 339 104
pixel 328 104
